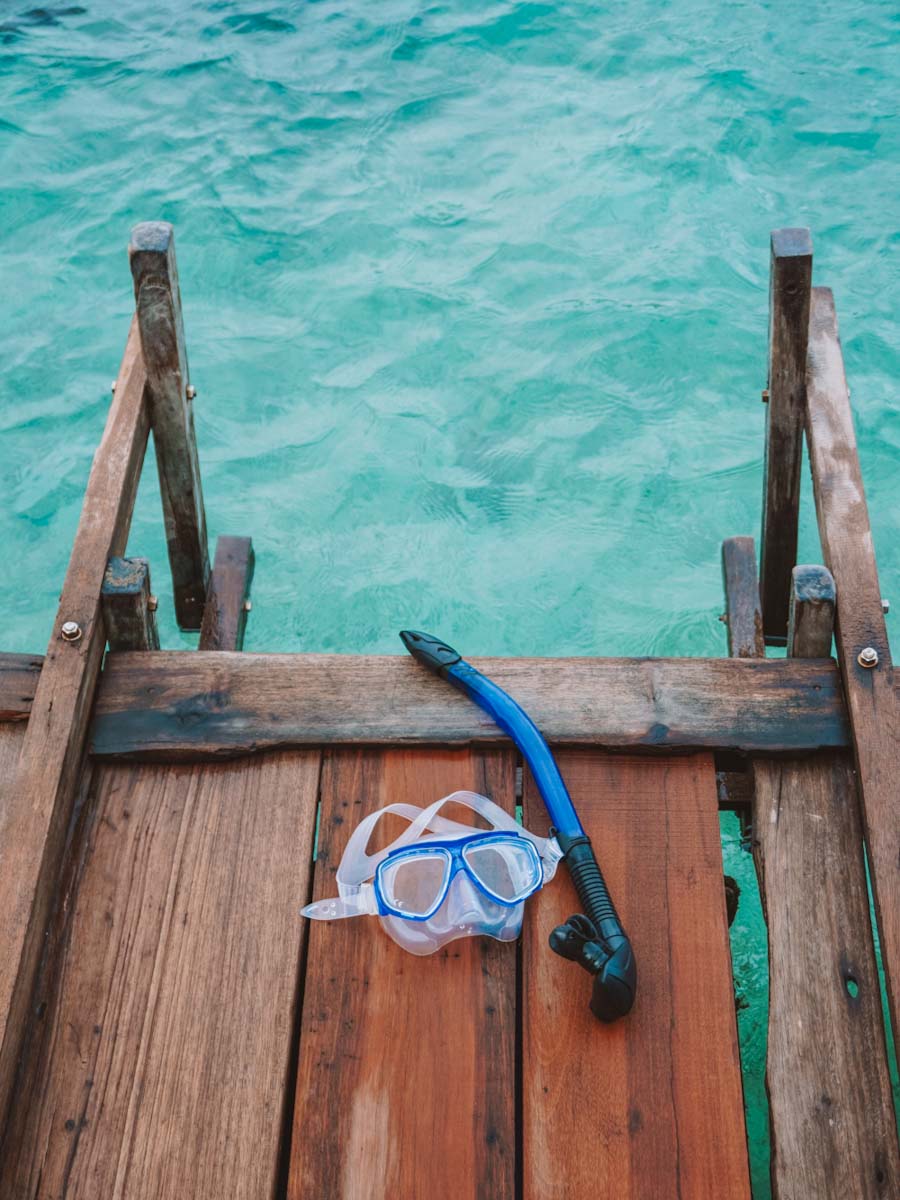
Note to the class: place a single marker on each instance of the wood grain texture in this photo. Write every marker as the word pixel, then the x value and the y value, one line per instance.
pixel 831 1115
pixel 33 827
pixel 12 734
pixel 811 623
pixel 19 674
pixel 872 701
pixel 406 1080
pixel 743 612
pixel 128 609
pixel 652 1105
pixel 789 290
pixel 831 1111
pixel 225 612
pixel 158 299
pixel 166 1052
pixel 191 705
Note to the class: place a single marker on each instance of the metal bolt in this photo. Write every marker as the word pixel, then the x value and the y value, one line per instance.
pixel 248 605
pixel 723 617
pixel 885 606
pixel 765 396
pixel 191 391
pixel 112 386
pixel 152 603
pixel 71 631
pixel 868 657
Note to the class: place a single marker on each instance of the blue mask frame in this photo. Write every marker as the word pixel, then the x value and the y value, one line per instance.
pixel 453 852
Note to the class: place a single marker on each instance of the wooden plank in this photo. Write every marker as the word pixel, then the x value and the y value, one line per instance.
pixel 228 595
pixel 833 1132
pixel 128 606
pixel 166 1051
pixel 33 827
pixel 12 734
pixel 873 704
pixel 789 291
pixel 158 298
pixel 406 1079
pixel 830 1104
pixel 19 674
pixel 811 624
pixel 650 1106
pixel 194 704
pixel 743 615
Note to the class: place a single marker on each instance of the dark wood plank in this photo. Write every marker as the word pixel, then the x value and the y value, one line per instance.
pixel 228 595
pixel 406 1077
pixel 651 1106
pixel 19 674
pixel 846 536
pixel 193 705
pixel 833 1132
pixel 128 606
pixel 33 827
pixel 166 1048
pixel 158 298
pixel 789 290
pixel 831 1110
pixel 743 613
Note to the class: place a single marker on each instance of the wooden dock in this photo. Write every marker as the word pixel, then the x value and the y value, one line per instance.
pixel 170 1027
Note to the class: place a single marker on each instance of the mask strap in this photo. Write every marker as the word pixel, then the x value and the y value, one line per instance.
pixel 356 866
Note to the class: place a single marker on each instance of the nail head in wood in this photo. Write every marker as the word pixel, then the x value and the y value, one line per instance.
pixel 811 619
pixel 128 605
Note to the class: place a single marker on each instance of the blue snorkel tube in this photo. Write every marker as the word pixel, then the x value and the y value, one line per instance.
pixel 596 941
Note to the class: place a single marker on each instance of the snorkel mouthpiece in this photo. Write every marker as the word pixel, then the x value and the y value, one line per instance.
pixel 430 651
pixel 597 941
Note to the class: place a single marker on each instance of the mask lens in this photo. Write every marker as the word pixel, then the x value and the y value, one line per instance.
pixel 508 870
pixel 414 883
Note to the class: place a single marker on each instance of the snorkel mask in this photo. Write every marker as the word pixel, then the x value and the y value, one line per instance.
pixel 460 882
pixel 442 879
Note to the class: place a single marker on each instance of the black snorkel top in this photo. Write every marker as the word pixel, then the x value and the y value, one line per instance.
pixel 596 941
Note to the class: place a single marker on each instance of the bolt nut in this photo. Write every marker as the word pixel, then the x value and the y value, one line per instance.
pixel 868 657
pixel 70 631
pixel 190 391
pixel 765 396
pixel 885 606
pixel 152 603
pixel 112 386
pixel 248 605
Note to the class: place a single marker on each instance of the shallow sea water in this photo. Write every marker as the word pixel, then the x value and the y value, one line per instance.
pixel 475 297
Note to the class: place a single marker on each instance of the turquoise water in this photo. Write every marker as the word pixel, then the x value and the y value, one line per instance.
pixel 475 296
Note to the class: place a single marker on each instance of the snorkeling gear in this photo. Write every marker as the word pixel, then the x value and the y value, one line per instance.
pixel 456 881
pixel 596 941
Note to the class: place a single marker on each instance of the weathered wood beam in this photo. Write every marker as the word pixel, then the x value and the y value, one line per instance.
pixel 789 290
pixel 128 606
pixel 811 623
pixel 872 701
pixel 19 674
pixel 152 257
pixel 33 825
pixel 743 616
pixel 830 1102
pixel 228 596
pixel 189 705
